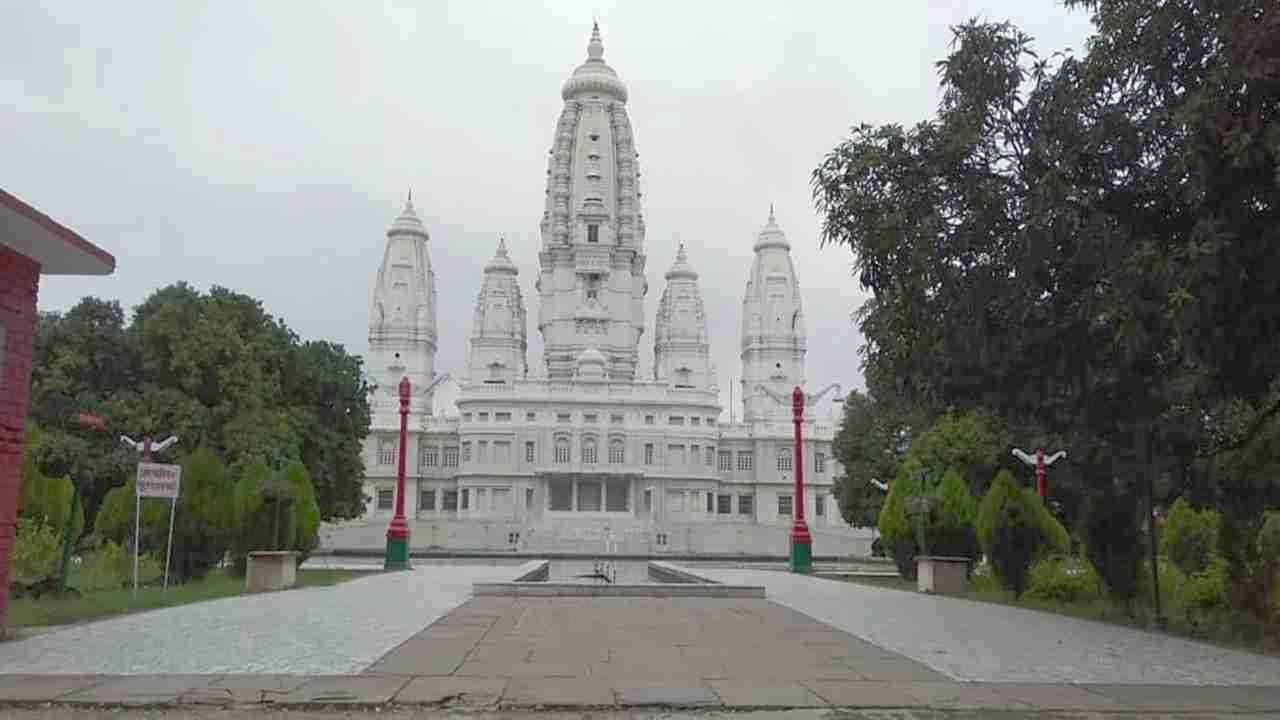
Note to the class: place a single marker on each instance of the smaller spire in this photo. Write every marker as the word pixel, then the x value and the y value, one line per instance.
pixel 681 267
pixel 501 261
pixel 595 47
pixel 771 211
pixel 408 205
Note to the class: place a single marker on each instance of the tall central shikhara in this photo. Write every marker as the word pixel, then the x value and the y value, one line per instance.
pixel 591 285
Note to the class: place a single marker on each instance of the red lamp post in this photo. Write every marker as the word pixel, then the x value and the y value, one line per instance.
pixel 397 554
pixel 1040 463
pixel 801 541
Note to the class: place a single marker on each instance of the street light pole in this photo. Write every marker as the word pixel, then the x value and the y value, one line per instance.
pixel 397 554
pixel 801 541
pixel 1039 462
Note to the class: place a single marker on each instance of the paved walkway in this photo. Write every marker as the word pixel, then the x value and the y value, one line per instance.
pixel 976 641
pixel 194 695
pixel 327 630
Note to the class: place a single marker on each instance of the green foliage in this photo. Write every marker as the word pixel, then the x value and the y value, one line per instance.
pixel 109 566
pixel 37 550
pixel 1066 579
pixel 1191 537
pixel 1204 596
pixel 1056 536
pixel 960 442
pixel 950 529
pixel 248 492
pixel 213 368
pixel 304 513
pixel 1051 245
pixel 956 507
pixel 873 436
pixel 116 515
pixel 1011 530
pixel 1269 537
pixel 47 499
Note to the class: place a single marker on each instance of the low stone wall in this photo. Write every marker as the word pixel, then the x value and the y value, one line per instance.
pixel 709 538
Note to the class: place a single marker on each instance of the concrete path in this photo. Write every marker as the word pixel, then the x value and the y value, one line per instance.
pixel 327 630
pixel 968 640
pixel 201 695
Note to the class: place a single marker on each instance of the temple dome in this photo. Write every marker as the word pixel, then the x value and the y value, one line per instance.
pixel 408 221
pixel 681 267
pixel 594 75
pixel 501 262
pixel 772 235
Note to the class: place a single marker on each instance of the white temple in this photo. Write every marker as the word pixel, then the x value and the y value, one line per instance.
pixel 587 450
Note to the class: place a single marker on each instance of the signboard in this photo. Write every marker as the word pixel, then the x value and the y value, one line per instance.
pixel 157 480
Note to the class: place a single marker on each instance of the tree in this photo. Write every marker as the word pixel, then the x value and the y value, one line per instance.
pixel 868 446
pixel 213 368
pixel 1079 245
pixel 333 419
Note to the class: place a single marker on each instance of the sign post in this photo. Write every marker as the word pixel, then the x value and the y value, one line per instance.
pixel 162 481
pixel 146 447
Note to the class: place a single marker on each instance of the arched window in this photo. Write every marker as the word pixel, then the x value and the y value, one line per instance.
pixel 589 451
pixel 617 452
pixel 562 450
pixel 784 460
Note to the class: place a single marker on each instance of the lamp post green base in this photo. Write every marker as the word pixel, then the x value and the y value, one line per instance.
pixel 801 557
pixel 397 554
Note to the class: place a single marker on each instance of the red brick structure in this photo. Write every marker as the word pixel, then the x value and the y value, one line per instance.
pixel 31 244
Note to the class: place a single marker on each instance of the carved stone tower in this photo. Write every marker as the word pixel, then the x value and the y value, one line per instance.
pixel 402 322
pixel 773 333
pixel 681 352
pixel 498 340
pixel 591 286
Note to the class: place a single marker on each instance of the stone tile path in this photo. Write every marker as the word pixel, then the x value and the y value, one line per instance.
pixel 975 641
pixel 275 697
pixel 633 643
pixel 324 630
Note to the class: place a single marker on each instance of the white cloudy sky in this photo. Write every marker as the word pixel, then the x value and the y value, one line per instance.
pixel 266 146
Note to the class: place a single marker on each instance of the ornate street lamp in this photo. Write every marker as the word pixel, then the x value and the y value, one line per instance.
pixel 801 541
pixel 397 554
pixel 1039 462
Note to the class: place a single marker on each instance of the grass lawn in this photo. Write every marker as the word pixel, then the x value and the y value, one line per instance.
pixel 104 603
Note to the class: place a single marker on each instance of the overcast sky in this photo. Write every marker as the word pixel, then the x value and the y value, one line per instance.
pixel 266 146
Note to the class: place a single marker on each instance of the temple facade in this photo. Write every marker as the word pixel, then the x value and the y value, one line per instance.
pixel 584 453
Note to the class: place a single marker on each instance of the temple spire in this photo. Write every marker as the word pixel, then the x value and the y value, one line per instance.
pixel 595 47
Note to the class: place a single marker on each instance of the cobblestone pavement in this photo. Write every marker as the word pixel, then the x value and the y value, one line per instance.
pixel 323 630
pixel 977 641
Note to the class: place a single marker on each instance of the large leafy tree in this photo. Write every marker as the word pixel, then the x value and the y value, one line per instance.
pixel 872 438
pixel 214 368
pixel 1082 245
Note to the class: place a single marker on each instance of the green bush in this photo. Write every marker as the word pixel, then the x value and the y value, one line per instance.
pixel 1010 530
pixel 37 551
pixel 109 566
pixel 48 499
pixel 1268 544
pixel 950 528
pixel 115 518
pixel 1203 597
pixel 1063 578
pixel 304 512
pixel 1191 536
pixel 1113 541
pixel 895 526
